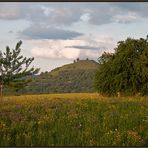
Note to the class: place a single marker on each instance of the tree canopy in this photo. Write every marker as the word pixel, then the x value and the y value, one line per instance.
pixel 14 68
pixel 125 70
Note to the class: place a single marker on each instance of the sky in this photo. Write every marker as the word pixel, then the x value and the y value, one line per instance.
pixel 57 33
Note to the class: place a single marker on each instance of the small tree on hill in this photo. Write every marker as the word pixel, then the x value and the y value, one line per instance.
pixel 78 59
pixel 14 68
pixel 126 70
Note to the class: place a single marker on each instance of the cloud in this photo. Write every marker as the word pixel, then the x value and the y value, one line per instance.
pixel 19 11
pixel 85 47
pixel 10 32
pixel 136 7
pixel 97 13
pixel 126 18
pixel 40 13
pixel 72 49
pixel 42 32
pixel 65 14
pixel 9 11
pixel 55 50
pixel 118 13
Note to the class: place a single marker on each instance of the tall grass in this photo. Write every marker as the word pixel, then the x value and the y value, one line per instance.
pixel 82 119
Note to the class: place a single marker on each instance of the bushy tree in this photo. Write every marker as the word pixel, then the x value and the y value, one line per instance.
pixel 14 68
pixel 125 71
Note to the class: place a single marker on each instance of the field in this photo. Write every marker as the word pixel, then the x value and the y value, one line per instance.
pixel 84 119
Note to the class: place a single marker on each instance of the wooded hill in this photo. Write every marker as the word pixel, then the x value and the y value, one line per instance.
pixel 74 77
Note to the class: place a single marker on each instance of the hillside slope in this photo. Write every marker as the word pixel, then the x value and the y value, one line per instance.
pixel 75 77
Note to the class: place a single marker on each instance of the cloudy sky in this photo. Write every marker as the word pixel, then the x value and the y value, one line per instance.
pixel 57 33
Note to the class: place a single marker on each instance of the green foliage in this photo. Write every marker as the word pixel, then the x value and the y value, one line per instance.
pixel 125 71
pixel 14 68
pixel 84 119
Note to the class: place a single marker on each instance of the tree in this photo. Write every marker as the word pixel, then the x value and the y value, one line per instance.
pixel 14 68
pixel 105 57
pixel 126 70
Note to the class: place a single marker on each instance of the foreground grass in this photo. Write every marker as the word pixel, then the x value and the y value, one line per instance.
pixel 73 120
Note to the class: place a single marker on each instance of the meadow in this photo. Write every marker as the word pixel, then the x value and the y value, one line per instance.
pixel 76 119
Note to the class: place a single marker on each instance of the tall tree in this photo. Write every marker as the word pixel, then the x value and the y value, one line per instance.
pixel 126 70
pixel 14 68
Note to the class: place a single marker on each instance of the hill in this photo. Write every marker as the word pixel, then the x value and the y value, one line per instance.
pixel 74 77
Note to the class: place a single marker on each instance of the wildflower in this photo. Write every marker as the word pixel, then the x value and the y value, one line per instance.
pixel 80 125
pixel 134 137
pixel 39 122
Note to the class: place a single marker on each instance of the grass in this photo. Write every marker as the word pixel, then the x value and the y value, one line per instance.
pixel 84 119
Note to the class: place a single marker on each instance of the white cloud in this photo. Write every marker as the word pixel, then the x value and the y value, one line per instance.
pixel 64 49
pixel 85 17
pixel 47 10
pixel 69 53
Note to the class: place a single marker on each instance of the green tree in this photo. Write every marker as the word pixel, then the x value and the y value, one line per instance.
pixel 14 68
pixel 126 70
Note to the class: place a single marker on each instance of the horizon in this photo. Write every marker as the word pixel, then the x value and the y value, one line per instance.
pixel 56 33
